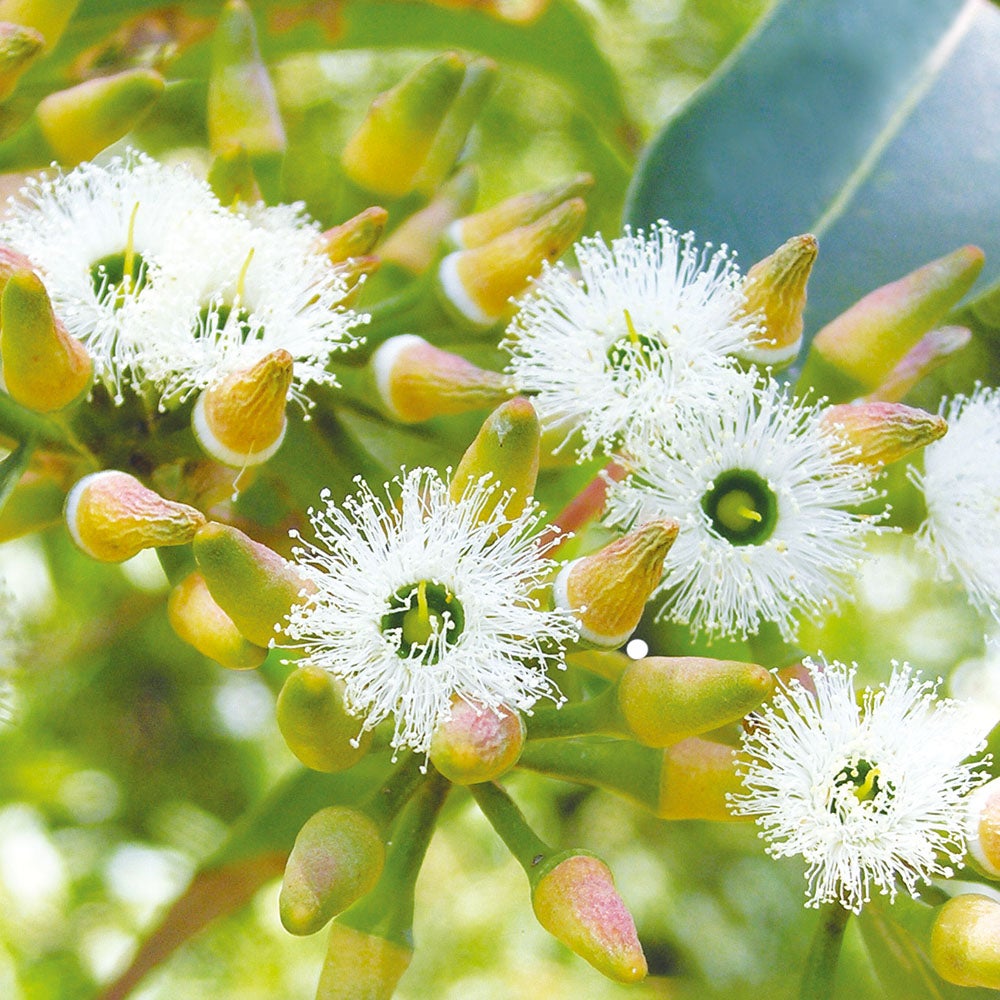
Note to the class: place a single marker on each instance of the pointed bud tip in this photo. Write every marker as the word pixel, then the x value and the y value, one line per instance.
pixel 965 941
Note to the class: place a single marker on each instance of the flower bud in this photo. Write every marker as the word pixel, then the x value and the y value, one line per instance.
pixel 48 17
pixel 984 827
pixel 336 859
pixel 79 122
pixel 609 589
pixel 477 743
pixel 242 106
pixel 478 284
pixel 696 780
pixel 417 381
pixel 387 152
pixel 965 941
pixel 665 699
pixel 880 433
pixel 775 289
pixel 112 516
pixel 315 724
pixel 855 352
pixel 354 238
pixel 11 262
pixel 253 584
pixel 520 210
pixel 505 448
pixel 19 46
pixel 232 179
pixel 361 965
pixel 576 902
pixel 201 623
pixel 929 353
pixel 44 368
pixel 240 421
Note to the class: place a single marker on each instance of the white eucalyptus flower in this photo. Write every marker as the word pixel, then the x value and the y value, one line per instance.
pixel 652 318
pixel 961 486
pixel 420 597
pixel 870 793
pixel 760 489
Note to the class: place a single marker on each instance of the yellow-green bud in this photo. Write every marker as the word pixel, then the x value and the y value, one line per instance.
pixel 315 724
pixel 19 46
pixel 112 517
pixel 354 238
pixel 965 941
pixel 48 17
pixel 881 433
pixel 44 368
pixel 253 584
pixel 477 743
pixel 576 902
pixel 336 859
pixel 984 827
pixel 696 777
pixel 929 353
pixel 609 589
pixel 361 966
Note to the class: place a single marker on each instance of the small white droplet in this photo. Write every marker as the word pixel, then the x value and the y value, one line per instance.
pixel 636 649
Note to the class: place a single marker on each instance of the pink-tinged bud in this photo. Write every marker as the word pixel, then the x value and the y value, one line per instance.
pixel 253 584
pixel 232 179
pixel 19 47
pixel 609 589
pixel 928 354
pixel 696 780
pixel 79 122
pixel 984 827
pixel 853 354
pixel 880 433
pixel 665 699
pixel 387 152
pixel 505 448
pixel 576 902
pixel 477 285
pixel 775 290
pixel 240 421
pixel 477 743
pixel 44 368
pixel 112 516
pixel 201 623
pixel 48 17
pixel 336 859
pixel 361 966
pixel 11 262
pixel 316 725
pixel 965 941
pixel 356 237
pixel 520 210
pixel 417 381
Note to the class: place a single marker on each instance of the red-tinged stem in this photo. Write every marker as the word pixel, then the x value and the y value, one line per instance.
pixel 587 505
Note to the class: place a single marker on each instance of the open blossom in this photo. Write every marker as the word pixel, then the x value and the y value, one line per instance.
pixel 870 793
pixel 653 318
pixel 762 492
pixel 961 486
pixel 420 597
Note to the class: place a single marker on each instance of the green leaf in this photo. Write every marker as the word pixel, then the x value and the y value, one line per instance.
pixel 13 467
pixel 872 125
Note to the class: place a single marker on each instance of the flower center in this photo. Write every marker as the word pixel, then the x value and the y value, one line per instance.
pixel 634 350
pixel 741 507
pixel 119 276
pixel 428 617
pixel 860 784
pixel 223 311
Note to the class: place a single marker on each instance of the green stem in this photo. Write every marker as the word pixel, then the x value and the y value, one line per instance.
pixel 821 963
pixel 511 826
pixel 386 801
pixel 20 424
pixel 597 715
pixel 413 310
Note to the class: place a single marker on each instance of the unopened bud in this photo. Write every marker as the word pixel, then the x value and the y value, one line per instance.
pixel 354 238
pixel 11 262
pixel 965 941
pixel 775 290
pixel 696 780
pixel 609 589
pixel 79 122
pixel 388 151
pixel 240 421
pixel 48 17
pixel 984 827
pixel 361 965
pixel 665 699
pixel 478 284
pixel 253 584
pixel 928 354
pixel 576 902
pixel 520 210
pixel 242 106
pixel 336 859
pixel 505 448
pixel 44 367
pixel 112 516
pixel 232 179
pixel 477 743
pixel 854 353
pixel 315 724
pixel 880 433
pixel 201 623
pixel 19 46
pixel 417 381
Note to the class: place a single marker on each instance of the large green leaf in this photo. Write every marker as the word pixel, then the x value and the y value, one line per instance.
pixel 874 125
